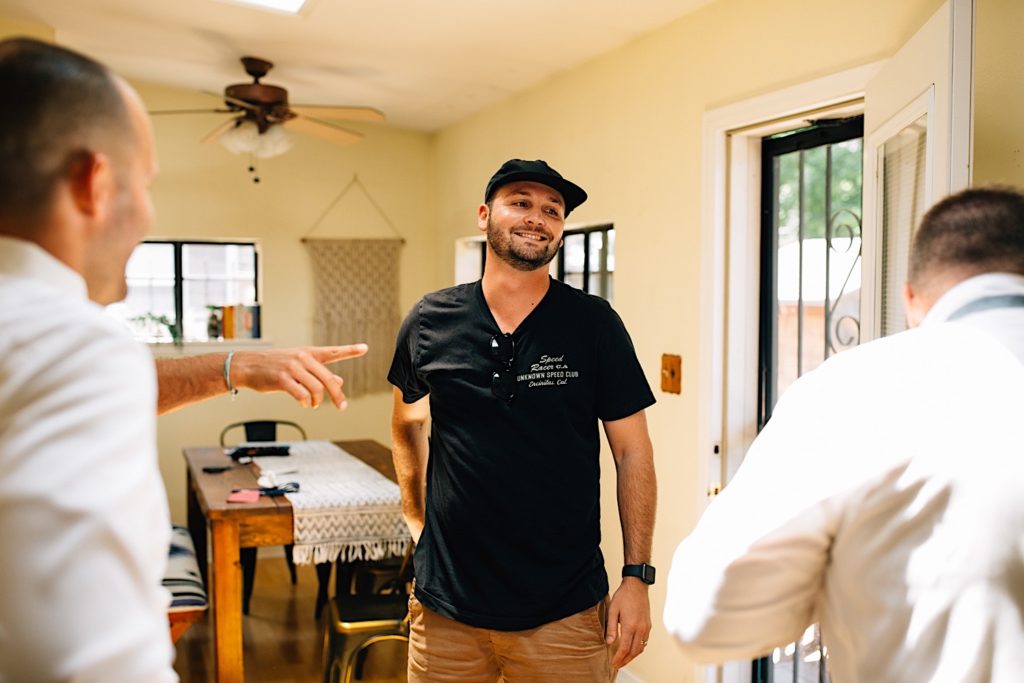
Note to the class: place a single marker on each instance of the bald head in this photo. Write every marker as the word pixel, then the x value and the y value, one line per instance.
pixel 55 105
pixel 76 162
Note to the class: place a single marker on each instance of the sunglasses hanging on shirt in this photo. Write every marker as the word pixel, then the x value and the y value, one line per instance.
pixel 503 380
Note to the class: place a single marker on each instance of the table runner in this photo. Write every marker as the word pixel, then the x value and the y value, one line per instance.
pixel 344 509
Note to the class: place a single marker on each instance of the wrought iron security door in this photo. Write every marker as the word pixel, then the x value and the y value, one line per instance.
pixel 810 293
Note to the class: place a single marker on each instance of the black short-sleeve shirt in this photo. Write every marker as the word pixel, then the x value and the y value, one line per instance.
pixel 512 530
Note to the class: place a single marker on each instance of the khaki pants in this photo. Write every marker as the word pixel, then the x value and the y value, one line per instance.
pixel 570 650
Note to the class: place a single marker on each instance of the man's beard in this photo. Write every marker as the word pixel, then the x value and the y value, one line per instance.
pixel 520 259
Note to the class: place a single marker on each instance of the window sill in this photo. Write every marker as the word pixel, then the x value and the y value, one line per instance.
pixel 169 350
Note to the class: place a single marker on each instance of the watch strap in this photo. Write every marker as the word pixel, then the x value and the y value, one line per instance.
pixel 644 572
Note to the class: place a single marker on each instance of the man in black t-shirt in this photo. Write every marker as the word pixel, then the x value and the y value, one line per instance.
pixel 513 373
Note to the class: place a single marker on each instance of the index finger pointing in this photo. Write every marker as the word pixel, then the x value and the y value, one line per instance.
pixel 330 354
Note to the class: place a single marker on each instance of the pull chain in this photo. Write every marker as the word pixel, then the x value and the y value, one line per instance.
pixel 253 169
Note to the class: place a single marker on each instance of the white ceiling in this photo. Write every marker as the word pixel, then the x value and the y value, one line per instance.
pixel 424 63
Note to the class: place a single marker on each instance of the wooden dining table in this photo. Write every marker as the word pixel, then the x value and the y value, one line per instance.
pixel 232 526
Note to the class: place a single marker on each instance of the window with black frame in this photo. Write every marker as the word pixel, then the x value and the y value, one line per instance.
pixel 192 291
pixel 587 260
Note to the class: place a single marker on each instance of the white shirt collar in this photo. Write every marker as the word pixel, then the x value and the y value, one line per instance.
pixel 977 287
pixel 22 259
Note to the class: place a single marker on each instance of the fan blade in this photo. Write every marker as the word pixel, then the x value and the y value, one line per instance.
pixel 161 112
pixel 345 113
pixel 231 100
pixel 324 130
pixel 216 132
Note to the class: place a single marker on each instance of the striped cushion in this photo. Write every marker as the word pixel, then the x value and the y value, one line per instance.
pixel 182 578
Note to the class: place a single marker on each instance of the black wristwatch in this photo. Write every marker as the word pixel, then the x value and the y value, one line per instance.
pixel 644 572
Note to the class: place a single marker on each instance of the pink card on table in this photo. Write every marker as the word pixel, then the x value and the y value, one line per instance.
pixel 244 496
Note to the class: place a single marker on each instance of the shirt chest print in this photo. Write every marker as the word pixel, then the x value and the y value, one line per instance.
pixel 549 371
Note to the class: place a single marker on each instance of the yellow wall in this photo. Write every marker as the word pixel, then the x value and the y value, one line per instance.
pixel 999 93
pixel 204 191
pixel 627 127
pixel 10 28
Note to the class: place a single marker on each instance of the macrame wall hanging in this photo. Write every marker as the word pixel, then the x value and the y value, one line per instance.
pixel 355 285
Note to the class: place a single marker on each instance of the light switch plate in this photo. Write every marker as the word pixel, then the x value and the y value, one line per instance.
pixel 671 373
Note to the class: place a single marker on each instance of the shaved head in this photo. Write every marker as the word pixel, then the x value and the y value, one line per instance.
pixel 976 231
pixel 55 105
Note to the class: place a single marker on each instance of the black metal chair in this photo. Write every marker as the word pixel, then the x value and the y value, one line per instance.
pixel 259 430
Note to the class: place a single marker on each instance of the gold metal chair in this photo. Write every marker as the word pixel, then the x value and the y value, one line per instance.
pixel 358 621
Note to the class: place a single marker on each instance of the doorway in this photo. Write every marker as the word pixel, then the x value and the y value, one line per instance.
pixel 811 208
pixel 930 77
pixel 811 190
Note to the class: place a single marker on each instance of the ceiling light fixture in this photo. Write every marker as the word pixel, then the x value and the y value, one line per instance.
pixel 245 138
pixel 287 6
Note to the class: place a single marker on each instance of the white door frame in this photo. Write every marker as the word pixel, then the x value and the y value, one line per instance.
pixel 730 247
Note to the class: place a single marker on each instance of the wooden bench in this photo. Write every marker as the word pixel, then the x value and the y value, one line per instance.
pixel 185 583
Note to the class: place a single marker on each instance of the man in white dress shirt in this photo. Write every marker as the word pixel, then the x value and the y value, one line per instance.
pixel 83 512
pixel 885 497
pixel 82 507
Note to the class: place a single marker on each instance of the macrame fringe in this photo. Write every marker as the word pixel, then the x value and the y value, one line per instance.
pixel 368 374
pixel 350 551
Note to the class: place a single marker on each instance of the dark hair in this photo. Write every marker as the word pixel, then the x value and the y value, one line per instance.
pixel 54 105
pixel 980 230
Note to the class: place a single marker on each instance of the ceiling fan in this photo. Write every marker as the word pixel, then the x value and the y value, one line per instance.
pixel 261 113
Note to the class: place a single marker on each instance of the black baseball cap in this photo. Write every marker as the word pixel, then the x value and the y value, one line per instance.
pixel 538 171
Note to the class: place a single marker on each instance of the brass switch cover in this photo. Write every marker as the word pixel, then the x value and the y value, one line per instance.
pixel 671 373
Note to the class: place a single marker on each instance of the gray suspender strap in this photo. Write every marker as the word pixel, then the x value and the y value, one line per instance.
pixel 988 303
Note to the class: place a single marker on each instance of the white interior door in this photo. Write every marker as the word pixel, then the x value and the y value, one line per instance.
pixel 917 149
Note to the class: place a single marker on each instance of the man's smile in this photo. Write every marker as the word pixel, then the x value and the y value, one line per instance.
pixel 531 235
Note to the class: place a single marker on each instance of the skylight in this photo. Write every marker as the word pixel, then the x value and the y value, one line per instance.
pixel 288 6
